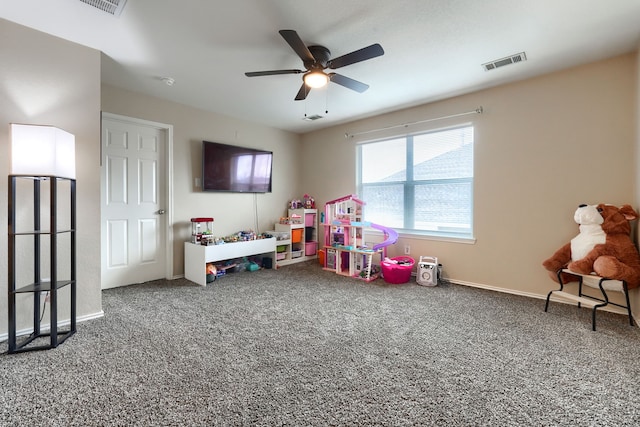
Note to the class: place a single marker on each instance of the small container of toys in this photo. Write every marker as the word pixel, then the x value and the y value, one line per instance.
pixel 397 270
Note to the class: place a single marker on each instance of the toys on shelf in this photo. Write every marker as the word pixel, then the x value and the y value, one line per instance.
pixel 307 202
pixel 201 226
pixel 202 233
pixel 216 270
pixel 297 236
pixel 279 235
pixel 293 219
pixel 242 236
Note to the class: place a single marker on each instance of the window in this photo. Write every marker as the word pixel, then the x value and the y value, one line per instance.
pixel 421 183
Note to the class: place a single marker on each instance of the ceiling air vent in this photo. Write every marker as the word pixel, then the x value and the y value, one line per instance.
pixel 312 118
pixel 112 7
pixel 518 57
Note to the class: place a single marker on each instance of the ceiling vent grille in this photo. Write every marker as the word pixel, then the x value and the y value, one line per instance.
pixel 312 118
pixel 112 7
pixel 518 57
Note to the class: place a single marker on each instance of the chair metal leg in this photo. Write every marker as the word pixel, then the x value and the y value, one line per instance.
pixel 626 295
pixel 585 298
pixel 559 275
pixel 593 315
pixel 546 306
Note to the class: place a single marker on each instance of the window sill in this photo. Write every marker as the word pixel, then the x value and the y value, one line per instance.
pixel 440 238
pixel 424 236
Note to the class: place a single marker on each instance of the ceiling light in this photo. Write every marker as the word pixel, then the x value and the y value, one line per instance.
pixel 316 79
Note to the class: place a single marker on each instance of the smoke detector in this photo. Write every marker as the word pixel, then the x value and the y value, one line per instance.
pixel 512 59
pixel 112 7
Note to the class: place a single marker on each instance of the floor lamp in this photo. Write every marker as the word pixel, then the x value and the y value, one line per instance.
pixel 41 154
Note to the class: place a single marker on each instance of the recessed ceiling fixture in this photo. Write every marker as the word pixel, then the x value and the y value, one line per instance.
pixel 112 7
pixel 312 118
pixel 512 59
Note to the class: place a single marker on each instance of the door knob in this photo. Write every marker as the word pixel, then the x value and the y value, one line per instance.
pixel 161 212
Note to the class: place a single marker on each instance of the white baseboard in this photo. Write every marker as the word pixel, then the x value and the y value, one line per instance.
pixel 610 308
pixel 45 326
pixel 495 288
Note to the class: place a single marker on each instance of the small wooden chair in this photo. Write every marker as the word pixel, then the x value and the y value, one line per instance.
pixel 604 284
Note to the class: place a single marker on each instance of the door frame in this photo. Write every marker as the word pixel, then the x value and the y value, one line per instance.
pixel 168 180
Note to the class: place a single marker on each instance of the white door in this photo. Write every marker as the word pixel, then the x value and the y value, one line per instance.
pixel 133 224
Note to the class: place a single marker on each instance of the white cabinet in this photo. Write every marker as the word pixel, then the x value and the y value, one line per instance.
pixel 197 256
pixel 302 244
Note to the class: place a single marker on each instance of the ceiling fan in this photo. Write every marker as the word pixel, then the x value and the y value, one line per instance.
pixel 316 59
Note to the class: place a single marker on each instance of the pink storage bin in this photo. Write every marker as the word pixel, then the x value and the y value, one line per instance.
pixel 310 248
pixel 309 220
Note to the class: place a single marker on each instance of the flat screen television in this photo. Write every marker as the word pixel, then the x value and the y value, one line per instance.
pixel 235 169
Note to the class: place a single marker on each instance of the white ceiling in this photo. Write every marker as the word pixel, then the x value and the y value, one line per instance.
pixel 434 49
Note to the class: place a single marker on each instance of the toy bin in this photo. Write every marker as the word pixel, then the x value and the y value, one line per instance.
pixel 296 235
pixel 310 220
pixel 397 270
pixel 308 233
pixel 310 248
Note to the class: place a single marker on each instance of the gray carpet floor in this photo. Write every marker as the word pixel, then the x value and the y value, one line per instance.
pixel 300 346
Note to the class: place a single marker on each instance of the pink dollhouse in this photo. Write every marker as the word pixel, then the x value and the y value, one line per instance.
pixel 345 247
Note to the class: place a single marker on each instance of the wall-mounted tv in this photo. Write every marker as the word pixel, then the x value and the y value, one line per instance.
pixel 235 169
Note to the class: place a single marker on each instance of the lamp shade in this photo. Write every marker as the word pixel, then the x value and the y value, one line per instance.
pixel 42 150
pixel 316 79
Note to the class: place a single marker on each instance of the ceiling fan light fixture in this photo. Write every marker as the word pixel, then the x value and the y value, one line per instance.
pixel 316 79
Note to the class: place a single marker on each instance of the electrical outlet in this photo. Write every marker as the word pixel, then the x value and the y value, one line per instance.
pixel 407 249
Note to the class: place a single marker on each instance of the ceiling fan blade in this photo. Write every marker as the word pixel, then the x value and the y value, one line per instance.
pixel 297 45
pixel 303 92
pixel 347 82
pixel 271 73
pixel 356 56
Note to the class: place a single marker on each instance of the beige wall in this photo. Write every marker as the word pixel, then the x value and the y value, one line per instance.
pixel 232 212
pixel 45 80
pixel 543 146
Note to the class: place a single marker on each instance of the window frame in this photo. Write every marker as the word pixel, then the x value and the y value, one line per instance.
pixel 409 185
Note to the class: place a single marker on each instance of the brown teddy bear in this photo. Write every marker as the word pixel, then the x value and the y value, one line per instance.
pixel 603 246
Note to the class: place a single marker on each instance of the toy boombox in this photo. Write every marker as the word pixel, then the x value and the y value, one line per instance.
pixel 427 271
